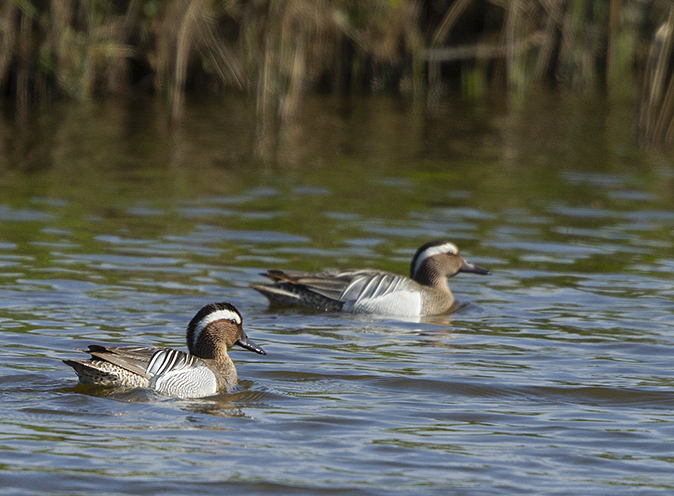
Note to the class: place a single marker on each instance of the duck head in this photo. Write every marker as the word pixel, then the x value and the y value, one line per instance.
pixel 215 328
pixel 438 260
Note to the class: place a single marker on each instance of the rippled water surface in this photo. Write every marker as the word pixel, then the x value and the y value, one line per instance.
pixel 554 375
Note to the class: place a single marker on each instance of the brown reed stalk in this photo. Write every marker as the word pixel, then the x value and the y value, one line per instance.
pixel 440 36
pixel 183 46
pixel 8 39
pixel 450 19
pixel 513 59
pixel 553 10
pixel 613 55
pixel 25 41
pixel 656 107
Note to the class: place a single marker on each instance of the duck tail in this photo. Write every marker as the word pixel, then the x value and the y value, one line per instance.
pixel 89 372
pixel 277 294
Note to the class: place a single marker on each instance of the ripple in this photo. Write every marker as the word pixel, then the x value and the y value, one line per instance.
pixel 552 376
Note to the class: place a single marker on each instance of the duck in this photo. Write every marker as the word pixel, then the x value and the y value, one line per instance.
pixel 205 371
pixel 371 291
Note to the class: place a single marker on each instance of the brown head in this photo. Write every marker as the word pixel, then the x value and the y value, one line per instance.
pixel 437 260
pixel 214 329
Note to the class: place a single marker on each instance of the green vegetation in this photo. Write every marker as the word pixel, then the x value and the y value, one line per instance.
pixel 277 50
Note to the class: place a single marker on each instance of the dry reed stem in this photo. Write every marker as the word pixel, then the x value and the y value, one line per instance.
pixel 512 58
pixel 22 77
pixel 298 69
pixel 440 36
pixel 183 46
pixel 265 89
pixel 553 10
pixel 662 70
pixel 227 65
pixel 7 37
pixel 612 49
pixel 442 32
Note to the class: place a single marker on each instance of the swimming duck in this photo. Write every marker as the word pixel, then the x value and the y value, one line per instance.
pixel 375 291
pixel 204 371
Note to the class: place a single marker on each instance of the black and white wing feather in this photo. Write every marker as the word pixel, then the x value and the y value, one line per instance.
pixel 178 373
pixel 381 292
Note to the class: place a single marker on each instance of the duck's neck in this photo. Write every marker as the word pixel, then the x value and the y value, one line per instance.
pixel 219 354
pixel 210 348
pixel 431 274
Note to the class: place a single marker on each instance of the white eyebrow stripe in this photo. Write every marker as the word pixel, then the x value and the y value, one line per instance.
pixel 218 315
pixel 435 250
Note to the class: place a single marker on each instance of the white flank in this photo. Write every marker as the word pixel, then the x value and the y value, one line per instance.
pixel 435 250
pixel 382 294
pixel 398 304
pixel 212 317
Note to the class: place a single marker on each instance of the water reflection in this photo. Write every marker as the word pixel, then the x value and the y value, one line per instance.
pixel 113 228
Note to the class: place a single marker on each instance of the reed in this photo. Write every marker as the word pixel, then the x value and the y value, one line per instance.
pixel 278 50
pixel 656 116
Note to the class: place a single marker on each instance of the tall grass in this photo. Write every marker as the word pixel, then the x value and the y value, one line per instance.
pixel 278 50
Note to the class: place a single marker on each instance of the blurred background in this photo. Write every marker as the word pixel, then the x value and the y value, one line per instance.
pixel 277 51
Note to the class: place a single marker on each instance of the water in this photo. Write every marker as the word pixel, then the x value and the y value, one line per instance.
pixel 553 376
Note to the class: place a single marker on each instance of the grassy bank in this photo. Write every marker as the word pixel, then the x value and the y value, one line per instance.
pixel 277 50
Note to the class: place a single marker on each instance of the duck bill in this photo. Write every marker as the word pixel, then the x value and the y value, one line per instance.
pixel 474 269
pixel 248 344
